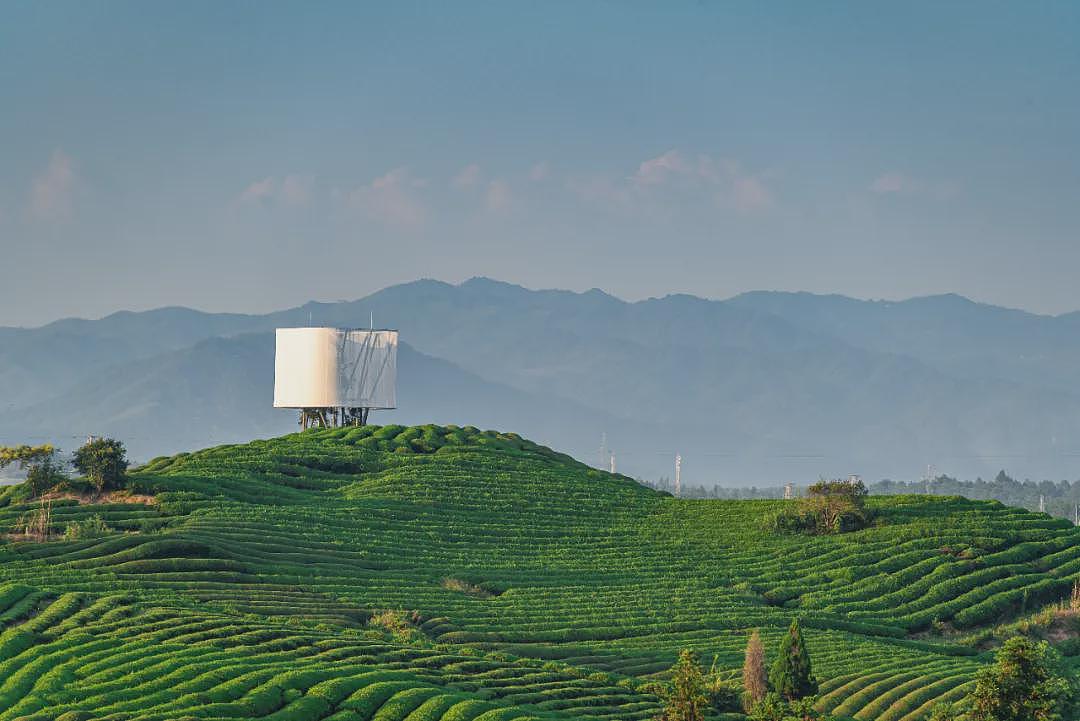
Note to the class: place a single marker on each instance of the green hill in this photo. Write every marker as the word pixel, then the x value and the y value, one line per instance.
pixel 447 573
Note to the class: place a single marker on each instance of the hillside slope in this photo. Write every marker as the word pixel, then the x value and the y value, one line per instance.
pixel 526 584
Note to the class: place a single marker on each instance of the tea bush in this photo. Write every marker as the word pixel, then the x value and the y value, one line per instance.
pixel 505 581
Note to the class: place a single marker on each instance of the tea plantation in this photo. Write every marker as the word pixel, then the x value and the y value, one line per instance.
pixel 447 573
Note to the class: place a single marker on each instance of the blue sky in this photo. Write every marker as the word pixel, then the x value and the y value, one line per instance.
pixel 249 156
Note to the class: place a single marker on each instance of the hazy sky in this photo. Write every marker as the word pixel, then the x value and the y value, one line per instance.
pixel 249 156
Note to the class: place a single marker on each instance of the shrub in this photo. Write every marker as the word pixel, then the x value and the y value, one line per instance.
pixel 777 708
pixel 830 507
pixel 92 527
pixel 153 525
pixel 724 695
pixel 399 624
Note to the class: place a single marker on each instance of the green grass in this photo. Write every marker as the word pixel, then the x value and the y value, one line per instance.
pixel 535 587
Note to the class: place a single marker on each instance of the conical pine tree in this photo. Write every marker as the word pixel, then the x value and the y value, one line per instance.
pixel 687 699
pixel 755 681
pixel 791 675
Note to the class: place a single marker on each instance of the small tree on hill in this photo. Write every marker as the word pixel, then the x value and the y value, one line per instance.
pixel 1023 684
pixel 838 505
pixel 43 476
pixel 103 461
pixel 755 680
pixel 43 470
pixel 688 698
pixel 830 506
pixel 791 675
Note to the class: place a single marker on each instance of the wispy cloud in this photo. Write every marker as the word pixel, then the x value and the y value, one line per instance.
pixel 725 179
pixel 391 199
pixel 664 183
pixel 498 197
pixel 655 171
pixel 259 191
pixel 296 190
pixel 291 191
pixel 540 172
pixel 50 195
pixel 745 192
pixel 650 175
pixel 892 183
pixel 749 194
pixel 897 183
pixel 600 190
pixel 467 177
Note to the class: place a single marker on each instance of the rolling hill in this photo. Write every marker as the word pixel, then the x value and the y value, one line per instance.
pixel 763 388
pixel 440 572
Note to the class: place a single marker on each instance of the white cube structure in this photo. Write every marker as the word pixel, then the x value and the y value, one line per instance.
pixel 335 368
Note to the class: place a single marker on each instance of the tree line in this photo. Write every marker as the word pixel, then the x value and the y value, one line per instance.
pixel 1059 498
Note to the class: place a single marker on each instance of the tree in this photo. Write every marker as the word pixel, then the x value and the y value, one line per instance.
pixel 830 510
pixel 687 699
pixel 1023 684
pixel 43 470
pixel 24 455
pixel 755 680
pixel 830 506
pixel 791 675
pixel 103 461
pixel 838 504
pixel 44 475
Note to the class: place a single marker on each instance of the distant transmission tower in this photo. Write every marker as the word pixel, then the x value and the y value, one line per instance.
pixel 1042 503
pixel 678 474
pixel 612 470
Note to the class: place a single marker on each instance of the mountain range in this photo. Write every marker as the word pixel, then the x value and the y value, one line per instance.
pixel 762 388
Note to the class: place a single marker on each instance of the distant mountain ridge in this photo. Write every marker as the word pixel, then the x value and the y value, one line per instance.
pixel 948 332
pixel 761 388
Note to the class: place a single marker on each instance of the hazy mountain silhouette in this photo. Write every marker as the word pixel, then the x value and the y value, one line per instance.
pixel 760 388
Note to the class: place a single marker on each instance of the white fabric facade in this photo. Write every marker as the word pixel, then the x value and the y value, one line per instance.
pixel 335 368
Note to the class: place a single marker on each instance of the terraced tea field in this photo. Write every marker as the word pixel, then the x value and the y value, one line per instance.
pixel 524 585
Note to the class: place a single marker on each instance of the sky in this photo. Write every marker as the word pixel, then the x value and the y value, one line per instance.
pixel 250 156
